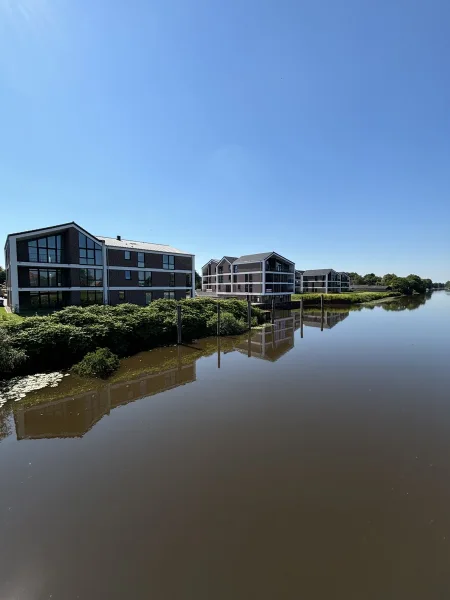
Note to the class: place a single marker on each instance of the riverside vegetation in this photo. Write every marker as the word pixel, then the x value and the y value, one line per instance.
pixel 60 340
pixel 350 298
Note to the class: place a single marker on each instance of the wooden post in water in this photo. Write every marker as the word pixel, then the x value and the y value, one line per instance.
pixel 179 323
pixel 218 318
pixel 273 310
pixel 249 314
pixel 218 352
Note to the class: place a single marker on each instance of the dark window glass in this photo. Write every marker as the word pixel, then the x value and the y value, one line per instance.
pixel 141 278
pixel 87 298
pixel 52 241
pixel 169 295
pixel 43 276
pixel 122 296
pixel 127 274
pixel 148 297
pixel 127 255
pixel 90 252
pixel 43 255
pixel 168 262
pixel 34 278
pixel 51 254
pixel 32 244
pixel 42 243
pixel 32 254
pixel 172 279
pixel 141 259
pixel 189 280
pixel 148 278
pixel 91 278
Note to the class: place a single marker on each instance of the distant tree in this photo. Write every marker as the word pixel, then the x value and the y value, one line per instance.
pixel 388 278
pixel 2 275
pixel 447 285
pixel 402 285
pixel 198 281
pixel 356 279
pixel 417 284
pixel 370 279
pixel 428 284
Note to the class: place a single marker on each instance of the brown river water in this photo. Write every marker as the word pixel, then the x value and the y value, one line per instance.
pixel 295 462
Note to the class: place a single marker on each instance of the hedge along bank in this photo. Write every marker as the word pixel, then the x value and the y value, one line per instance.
pixel 342 299
pixel 63 338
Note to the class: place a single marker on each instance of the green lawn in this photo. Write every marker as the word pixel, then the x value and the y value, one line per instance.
pixel 350 298
pixel 4 316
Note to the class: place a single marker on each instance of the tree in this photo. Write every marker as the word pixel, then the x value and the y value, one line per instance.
pixel 416 284
pixel 402 285
pixel 2 275
pixel 447 285
pixel 428 284
pixel 356 279
pixel 370 279
pixel 388 278
pixel 198 281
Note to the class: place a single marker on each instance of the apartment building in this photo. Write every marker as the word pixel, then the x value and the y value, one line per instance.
pixel 324 281
pixel 66 265
pixel 258 277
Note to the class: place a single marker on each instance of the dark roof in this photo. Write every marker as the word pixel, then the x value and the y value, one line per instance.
pixel 230 259
pixel 248 258
pixel 313 272
pixel 70 224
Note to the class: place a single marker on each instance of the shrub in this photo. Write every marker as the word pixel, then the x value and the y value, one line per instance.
pixel 100 363
pixel 10 357
pixel 229 325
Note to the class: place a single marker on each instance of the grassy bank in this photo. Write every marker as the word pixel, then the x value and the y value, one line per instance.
pixel 63 338
pixel 5 316
pixel 350 298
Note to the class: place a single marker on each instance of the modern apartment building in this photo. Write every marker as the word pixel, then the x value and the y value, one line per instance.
pixel 324 281
pixel 258 277
pixel 66 265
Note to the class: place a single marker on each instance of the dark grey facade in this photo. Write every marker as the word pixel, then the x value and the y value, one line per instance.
pixel 257 277
pixel 323 281
pixel 66 265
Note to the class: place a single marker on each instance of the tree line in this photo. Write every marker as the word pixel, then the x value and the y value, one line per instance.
pixel 406 285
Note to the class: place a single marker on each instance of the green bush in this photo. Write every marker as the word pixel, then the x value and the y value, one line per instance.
pixel 229 325
pixel 100 363
pixel 62 338
pixel 10 357
pixel 349 298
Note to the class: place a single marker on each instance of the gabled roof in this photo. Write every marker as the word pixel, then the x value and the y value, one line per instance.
pixel 312 272
pixel 61 226
pixel 212 260
pixel 248 258
pixel 131 245
pixel 230 259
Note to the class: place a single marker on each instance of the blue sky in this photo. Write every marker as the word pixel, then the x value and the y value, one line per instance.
pixel 318 129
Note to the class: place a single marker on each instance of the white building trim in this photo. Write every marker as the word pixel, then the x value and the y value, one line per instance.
pixel 125 288
pixel 13 273
pixel 91 288
pixel 113 268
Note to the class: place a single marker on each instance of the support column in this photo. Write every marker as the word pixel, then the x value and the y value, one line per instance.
pixel 193 278
pixel 13 274
pixel 105 275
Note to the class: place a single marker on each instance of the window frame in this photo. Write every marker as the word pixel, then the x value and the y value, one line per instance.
pixel 141 263
pixel 90 253
pixel 169 264
pixel 127 275
pixel 127 254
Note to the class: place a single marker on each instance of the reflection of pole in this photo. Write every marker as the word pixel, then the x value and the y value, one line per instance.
pixel 249 313
pixel 301 318
pixel 218 352
pixel 179 322
pixel 179 357
pixel 218 318
pixel 273 310
pixel 249 348
pixel 321 320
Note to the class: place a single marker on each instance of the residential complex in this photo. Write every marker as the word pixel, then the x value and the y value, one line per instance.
pixel 66 265
pixel 257 277
pixel 324 281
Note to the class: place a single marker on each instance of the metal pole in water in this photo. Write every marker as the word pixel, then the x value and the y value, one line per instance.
pixel 179 322
pixel 301 318
pixel 218 318
pixel 273 310
pixel 249 313
pixel 218 352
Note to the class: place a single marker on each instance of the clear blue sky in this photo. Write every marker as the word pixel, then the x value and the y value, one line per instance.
pixel 319 129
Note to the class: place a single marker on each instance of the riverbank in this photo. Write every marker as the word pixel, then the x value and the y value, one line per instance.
pixel 60 340
pixel 344 299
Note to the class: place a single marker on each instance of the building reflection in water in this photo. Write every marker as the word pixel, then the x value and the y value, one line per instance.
pixel 75 415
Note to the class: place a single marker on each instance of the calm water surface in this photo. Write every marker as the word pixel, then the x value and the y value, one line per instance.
pixel 280 467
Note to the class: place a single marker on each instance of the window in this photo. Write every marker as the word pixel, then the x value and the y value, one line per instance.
pixel 148 297
pixel 141 259
pixel 90 251
pixel 45 277
pixel 248 277
pixel 172 279
pixel 189 280
pixel 91 277
pixel 239 288
pixel 168 262
pixel 121 296
pixel 87 298
pixel 145 278
pixel 220 270
pixel 45 250
pixel 169 295
pixel 46 299
pixel 127 255
pixel 220 278
pixel 127 274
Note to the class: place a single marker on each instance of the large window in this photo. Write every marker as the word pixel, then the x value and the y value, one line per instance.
pixel 127 274
pixel 168 262
pixel 148 297
pixel 91 298
pixel 91 277
pixel 145 278
pixel 169 295
pixel 45 250
pixel 141 259
pixel 46 299
pixel 45 277
pixel 90 251
pixel 127 255
pixel 172 279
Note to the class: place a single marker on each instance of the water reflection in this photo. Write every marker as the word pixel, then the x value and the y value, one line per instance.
pixel 71 412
